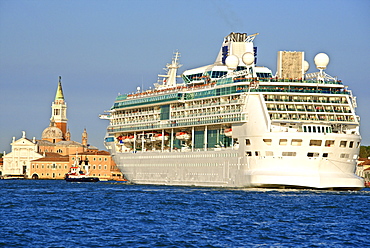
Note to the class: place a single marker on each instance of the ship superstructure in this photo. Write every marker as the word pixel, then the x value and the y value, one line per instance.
pixel 235 124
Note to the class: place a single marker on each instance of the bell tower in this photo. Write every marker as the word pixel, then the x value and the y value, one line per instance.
pixel 84 138
pixel 59 110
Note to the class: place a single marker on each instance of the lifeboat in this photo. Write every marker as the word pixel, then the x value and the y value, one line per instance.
pixel 182 135
pixel 228 132
pixel 120 139
pixel 158 136
pixel 131 138
pixel 128 138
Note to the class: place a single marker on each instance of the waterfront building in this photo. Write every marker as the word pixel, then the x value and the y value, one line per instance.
pixel 363 170
pixel 55 166
pixel 17 162
pixel 52 156
pixel 50 166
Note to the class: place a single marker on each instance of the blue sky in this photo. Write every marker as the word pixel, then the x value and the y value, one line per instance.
pixel 102 48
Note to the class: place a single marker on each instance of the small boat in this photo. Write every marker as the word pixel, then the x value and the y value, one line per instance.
pixel 228 132
pixel 158 136
pixel 76 174
pixel 182 135
pixel 129 138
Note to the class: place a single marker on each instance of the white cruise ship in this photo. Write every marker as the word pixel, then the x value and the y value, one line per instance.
pixel 235 124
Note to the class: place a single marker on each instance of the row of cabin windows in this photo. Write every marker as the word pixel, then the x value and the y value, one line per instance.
pixel 317 129
pixel 293 154
pixel 298 142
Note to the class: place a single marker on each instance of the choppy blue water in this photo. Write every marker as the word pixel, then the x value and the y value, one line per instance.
pixel 60 214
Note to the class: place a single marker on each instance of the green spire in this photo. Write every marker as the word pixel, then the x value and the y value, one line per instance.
pixel 59 95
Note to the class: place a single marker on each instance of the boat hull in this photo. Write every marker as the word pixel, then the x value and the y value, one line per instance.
pixel 85 179
pixel 227 169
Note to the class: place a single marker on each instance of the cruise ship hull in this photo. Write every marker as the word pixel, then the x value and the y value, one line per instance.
pixel 224 168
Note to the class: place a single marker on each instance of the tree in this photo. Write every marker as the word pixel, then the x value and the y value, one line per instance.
pixel 364 151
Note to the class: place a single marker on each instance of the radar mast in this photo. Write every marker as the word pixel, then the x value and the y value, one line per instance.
pixel 169 80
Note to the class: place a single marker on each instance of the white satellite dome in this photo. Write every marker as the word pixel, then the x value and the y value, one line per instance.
pixel 248 58
pixel 232 62
pixel 321 61
pixel 306 66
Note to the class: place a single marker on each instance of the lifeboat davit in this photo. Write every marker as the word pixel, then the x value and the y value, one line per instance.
pixel 150 136
pixel 228 132
pixel 158 136
pixel 182 135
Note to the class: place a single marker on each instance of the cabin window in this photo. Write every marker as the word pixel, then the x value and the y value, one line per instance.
pixel 269 153
pixel 325 155
pixel 296 142
pixel 283 142
pixel 343 144
pixel 344 155
pixel 315 142
pixel 351 144
pixel 257 153
pixel 329 143
pixel 289 154
pixel 312 154
pixel 267 141
pixel 247 142
pixel 248 153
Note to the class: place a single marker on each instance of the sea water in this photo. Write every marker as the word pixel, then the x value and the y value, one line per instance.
pixel 47 213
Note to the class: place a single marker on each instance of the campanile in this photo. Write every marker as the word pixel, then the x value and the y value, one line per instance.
pixel 59 109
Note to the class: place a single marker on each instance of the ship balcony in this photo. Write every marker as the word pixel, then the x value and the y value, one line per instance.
pixel 185 122
pixel 306 101
pixel 311 116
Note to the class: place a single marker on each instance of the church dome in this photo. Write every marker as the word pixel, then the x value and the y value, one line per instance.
pixel 52 133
